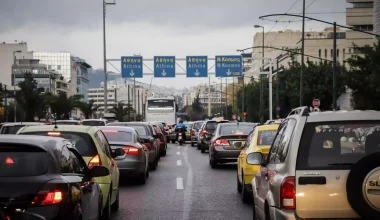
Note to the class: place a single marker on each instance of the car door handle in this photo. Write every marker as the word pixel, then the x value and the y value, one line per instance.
pixel 315 180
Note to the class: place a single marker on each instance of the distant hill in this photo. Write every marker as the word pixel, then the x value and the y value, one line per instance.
pixel 97 76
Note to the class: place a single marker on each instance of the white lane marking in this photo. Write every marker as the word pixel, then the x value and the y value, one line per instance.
pixel 179 163
pixel 188 195
pixel 179 183
pixel 178 153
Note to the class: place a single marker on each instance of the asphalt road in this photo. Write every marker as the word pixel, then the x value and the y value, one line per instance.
pixel 184 187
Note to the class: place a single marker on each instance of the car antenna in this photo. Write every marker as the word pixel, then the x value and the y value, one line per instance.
pixel 55 121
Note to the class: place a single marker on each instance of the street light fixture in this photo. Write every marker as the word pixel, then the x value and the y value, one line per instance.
pixel 14 84
pixel 261 78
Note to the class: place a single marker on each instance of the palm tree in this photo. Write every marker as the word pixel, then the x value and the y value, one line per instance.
pixel 87 108
pixel 63 105
pixel 121 110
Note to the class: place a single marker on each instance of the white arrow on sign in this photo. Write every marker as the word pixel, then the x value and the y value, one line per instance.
pixel 197 72
pixel 132 73
pixel 163 73
pixel 228 72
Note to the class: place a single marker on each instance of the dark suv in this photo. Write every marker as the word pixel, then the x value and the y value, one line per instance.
pixel 206 132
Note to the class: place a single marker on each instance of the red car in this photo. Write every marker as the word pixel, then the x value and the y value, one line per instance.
pixel 159 129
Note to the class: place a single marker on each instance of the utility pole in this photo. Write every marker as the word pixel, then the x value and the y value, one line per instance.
pixel 242 99
pixel 129 104
pixel 209 96
pixel 221 96
pixel 233 94
pixel 334 68
pixel 105 55
pixel 6 110
pixel 302 52
pixel 277 89
pixel 134 98
pixel 226 99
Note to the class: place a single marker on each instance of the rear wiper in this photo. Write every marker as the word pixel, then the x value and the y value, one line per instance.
pixel 341 164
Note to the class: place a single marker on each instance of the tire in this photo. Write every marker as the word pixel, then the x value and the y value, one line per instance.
pixel 106 214
pixel 245 196
pixel 115 206
pixel 213 164
pixel 142 179
pixel 192 144
pixel 173 141
pixel 198 146
pixel 203 150
pixel 153 166
pixel 147 172
pixel 239 187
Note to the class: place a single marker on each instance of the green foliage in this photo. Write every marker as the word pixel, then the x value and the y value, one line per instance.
pixel 87 108
pixel 363 78
pixel 62 105
pixel 122 111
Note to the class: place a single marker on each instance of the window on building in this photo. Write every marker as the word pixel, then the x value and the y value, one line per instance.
pixel 349 51
pixel 344 54
pixel 363 5
pixel 320 53
pixel 332 53
pixel 325 53
pixel 337 53
pixel 58 67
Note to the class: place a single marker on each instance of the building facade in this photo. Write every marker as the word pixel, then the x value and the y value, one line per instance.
pixel 376 16
pixel 97 94
pixel 360 16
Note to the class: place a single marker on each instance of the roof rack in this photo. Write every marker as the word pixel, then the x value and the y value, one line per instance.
pixel 303 111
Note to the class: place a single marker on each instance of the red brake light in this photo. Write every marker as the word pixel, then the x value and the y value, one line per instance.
pixel 48 198
pixel 203 132
pixel 9 161
pixel 53 133
pixel 192 133
pixel 95 161
pixel 288 193
pixel 179 134
pixel 131 150
pixel 221 142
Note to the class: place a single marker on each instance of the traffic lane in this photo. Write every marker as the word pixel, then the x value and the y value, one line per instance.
pixel 159 197
pixel 213 191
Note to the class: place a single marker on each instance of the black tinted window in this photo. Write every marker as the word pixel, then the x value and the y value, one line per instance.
pixel 81 141
pixel 22 162
pixel 197 125
pixel 11 129
pixel 94 123
pixel 120 136
pixel 165 104
pixel 66 164
pixel 337 145
pixel 211 125
pixel 235 129
pixel 266 137
pixel 77 165
pixel 140 129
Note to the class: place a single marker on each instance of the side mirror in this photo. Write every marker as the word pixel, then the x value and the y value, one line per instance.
pixel 118 152
pixel 99 171
pixel 255 158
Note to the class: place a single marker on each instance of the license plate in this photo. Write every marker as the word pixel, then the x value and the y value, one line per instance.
pixel 180 138
pixel 237 144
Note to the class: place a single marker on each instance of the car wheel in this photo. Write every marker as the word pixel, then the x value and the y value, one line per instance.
pixel 115 206
pixel 173 141
pixel 245 196
pixel 203 150
pixel 147 172
pixel 192 144
pixel 153 166
pixel 239 187
pixel 142 178
pixel 107 210
pixel 213 164
pixel 198 146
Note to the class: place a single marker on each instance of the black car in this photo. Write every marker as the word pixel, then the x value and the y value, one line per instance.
pixel 207 130
pixel 47 176
pixel 149 136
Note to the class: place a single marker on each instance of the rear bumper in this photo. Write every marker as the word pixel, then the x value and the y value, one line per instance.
pixel 52 212
pixel 131 168
pixel 225 155
pixel 194 139
pixel 278 214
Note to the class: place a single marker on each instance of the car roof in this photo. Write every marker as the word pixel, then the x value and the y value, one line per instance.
pixel 23 123
pixel 118 128
pixel 66 120
pixel 131 123
pixel 71 128
pixel 94 120
pixel 49 144
pixel 268 127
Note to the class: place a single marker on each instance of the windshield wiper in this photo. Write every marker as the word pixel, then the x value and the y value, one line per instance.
pixel 341 164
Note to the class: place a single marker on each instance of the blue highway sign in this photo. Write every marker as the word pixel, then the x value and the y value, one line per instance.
pixel 226 66
pixel 164 66
pixel 132 67
pixel 196 66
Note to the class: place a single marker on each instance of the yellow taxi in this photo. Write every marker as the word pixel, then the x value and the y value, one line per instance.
pixel 259 140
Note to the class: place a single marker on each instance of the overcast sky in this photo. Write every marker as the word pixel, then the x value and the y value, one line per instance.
pixel 150 28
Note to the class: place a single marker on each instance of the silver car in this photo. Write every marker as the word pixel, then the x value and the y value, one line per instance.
pixel 311 171
pixel 194 132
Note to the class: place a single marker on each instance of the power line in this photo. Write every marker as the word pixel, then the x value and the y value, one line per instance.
pixel 283 16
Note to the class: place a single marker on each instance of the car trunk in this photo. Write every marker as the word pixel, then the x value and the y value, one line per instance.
pixel 235 142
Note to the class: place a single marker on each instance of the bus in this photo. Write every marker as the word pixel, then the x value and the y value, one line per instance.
pixel 110 117
pixel 161 109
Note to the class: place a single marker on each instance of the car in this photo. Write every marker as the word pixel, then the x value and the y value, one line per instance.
pixel 172 134
pixel 47 176
pixel 159 128
pixel 12 128
pixel 189 126
pixel 95 150
pixel 194 132
pixel 151 139
pixel 305 178
pixel 227 142
pixel 94 122
pixel 134 163
pixel 259 140
pixel 208 128
pixel 66 122
pixel 199 136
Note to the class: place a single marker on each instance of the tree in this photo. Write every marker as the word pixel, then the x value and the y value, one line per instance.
pixel 62 105
pixel 87 108
pixel 363 78
pixel 121 110
pixel 29 98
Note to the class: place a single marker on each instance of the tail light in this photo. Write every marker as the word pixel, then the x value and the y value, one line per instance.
pixel 203 132
pixel 131 150
pixel 192 133
pixel 221 142
pixel 288 193
pixel 50 194
pixel 95 161
pixel 179 134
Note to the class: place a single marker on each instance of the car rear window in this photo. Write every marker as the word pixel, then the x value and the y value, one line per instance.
pixel 236 129
pixel 22 162
pixel 211 125
pixel 141 131
pixel 119 136
pixel 197 125
pixel 94 123
pixel 13 129
pixel 266 137
pixel 336 146
pixel 81 141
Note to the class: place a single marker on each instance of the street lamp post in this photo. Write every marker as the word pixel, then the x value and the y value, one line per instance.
pixel 261 77
pixel 14 84
pixel 302 52
pixel 105 54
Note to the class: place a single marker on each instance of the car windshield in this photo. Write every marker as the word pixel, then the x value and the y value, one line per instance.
pixel 236 129
pixel 340 144
pixel 12 129
pixel 94 123
pixel 118 136
pixel 266 137
pixel 141 131
pixel 22 163
pixel 81 141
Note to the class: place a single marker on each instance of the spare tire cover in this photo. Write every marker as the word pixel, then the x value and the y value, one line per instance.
pixel 363 187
